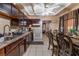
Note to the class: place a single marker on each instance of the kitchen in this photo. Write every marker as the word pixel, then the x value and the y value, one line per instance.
pixel 27 25
pixel 15 33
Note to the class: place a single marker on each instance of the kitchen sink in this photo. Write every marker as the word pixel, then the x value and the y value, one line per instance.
pixel 2 39
pixel 9 37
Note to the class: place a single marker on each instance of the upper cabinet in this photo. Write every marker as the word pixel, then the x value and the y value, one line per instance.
pixel 10 10
pixel 7 9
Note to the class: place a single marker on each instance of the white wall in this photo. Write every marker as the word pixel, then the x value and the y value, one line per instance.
pixel 3 21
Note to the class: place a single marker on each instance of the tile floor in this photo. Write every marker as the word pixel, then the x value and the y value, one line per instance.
pixel 39 50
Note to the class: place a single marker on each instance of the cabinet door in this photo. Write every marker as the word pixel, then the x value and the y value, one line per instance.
pixel 14 52
pixel 2 53
pixel 14 22
pixel 21 47
pixel 12 49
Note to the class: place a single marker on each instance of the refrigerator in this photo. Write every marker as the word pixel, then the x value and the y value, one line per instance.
pixel 37 31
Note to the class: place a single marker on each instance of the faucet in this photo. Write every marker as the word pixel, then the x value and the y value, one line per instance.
pixel 5 28
pixel 7 37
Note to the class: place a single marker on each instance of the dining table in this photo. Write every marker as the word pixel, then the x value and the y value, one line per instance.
pixel 75 40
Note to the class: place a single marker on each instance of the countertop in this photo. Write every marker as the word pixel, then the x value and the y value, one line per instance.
pixel 5 43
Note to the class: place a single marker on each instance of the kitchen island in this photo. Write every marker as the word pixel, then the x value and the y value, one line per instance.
pixel 17 45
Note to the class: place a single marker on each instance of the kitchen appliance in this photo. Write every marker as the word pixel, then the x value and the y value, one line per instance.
pixel 37 31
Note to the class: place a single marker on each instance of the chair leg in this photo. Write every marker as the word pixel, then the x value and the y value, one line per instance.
pixel 57 52
pixel 49 47
pixel 53 51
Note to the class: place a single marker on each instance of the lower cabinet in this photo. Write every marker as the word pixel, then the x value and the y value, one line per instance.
pixel 21 46
pixel 17 48
pixel 14 52
pixel 2 52
pixel 14 49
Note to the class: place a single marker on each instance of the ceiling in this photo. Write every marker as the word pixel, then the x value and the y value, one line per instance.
pixel 43 9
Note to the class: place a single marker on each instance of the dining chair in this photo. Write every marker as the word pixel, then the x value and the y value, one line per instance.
pixel 50 37
pixel 64 45
pixel 75 51
pixel 53 43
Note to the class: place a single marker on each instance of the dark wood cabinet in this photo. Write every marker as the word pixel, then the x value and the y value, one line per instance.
pixel 18 47
pixel 14 52
pixel 14 49
pixel 2 52
pixel 14 22
pixel 21 46
pixel 22 22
